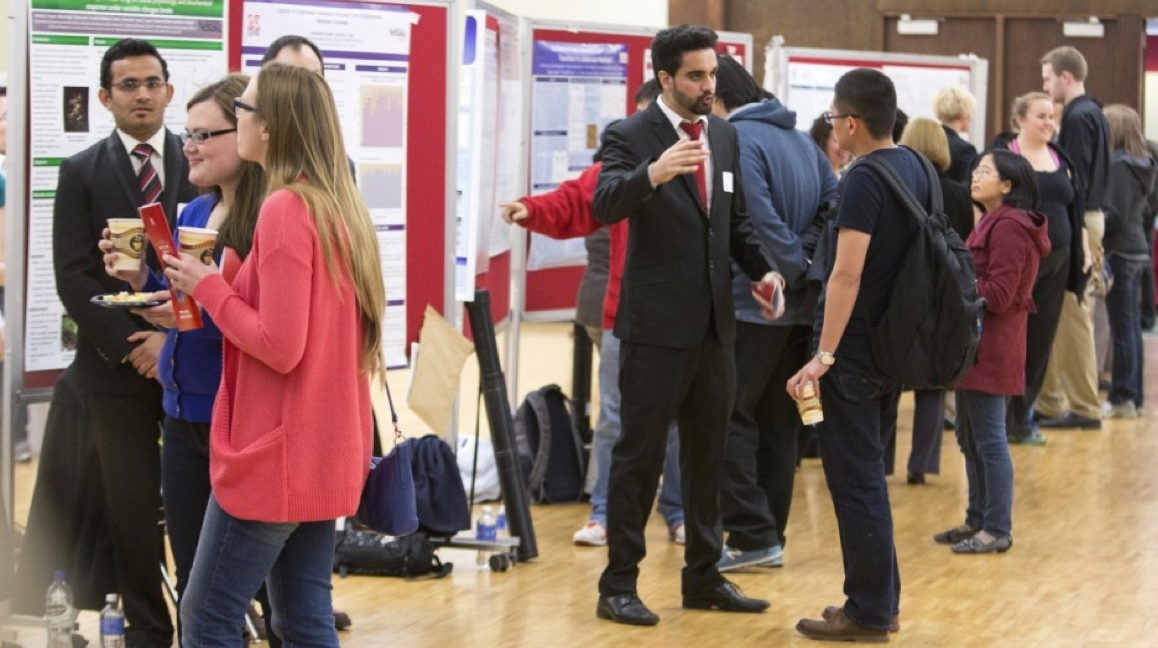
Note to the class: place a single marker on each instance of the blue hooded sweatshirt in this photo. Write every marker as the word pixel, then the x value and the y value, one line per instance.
pixel 786 180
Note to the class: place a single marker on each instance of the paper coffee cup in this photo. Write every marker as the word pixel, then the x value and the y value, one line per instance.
pixel 197 241
pixel 128 237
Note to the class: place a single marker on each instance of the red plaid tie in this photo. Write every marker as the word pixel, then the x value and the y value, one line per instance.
pixel 147 178
pixel 693 129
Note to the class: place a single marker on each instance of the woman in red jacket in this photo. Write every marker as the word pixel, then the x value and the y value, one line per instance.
pixel 301 324
pixel 1007 245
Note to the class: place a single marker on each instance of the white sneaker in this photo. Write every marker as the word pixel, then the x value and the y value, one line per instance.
pixel 593 534
pixel 676 534
pixel 1124 410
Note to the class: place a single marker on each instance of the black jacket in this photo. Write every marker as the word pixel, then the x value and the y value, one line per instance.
pixel 962 157
pixel 1085 137
pixel 1133 185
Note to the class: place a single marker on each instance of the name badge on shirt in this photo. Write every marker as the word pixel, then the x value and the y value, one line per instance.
pixel 727 182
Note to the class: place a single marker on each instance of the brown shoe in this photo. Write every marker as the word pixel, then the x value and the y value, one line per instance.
pixel 830 613
pixel 840 628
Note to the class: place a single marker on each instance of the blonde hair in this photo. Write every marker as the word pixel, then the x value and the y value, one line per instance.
pixel 1126 130
pixel 1020 107
pixel 1067 59
pixel 928 138
pixel 305 140
pixel 952 102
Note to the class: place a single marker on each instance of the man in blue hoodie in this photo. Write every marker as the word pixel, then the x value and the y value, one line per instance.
pixel 787 179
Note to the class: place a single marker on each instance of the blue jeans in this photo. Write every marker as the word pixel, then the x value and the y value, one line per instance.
pixel 981 435
pixel 1126 330
pixel 233 558
pixel 671 503
pixel 856 408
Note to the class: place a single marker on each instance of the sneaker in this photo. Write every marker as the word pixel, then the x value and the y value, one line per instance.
pixel 21 452
pixel 677 534
pixel 1125 410
pixel 983 542
pixel 594 534
pixel 1033 438
pixel 733 559
pixel 955 535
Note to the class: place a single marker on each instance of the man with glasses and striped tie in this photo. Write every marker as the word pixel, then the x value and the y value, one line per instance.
pixel 116 357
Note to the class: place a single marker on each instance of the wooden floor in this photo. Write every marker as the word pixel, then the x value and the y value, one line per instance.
pixel 1082 570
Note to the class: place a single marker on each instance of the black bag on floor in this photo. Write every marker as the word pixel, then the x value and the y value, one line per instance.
pixel 362 551
pixel 550 450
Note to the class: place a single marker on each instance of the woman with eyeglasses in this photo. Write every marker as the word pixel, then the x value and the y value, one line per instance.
pixel 1007 245
pixel 189 368
pixel 1034 125
pixel 302 332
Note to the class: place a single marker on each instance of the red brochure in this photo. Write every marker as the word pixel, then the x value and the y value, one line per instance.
pixel 187 310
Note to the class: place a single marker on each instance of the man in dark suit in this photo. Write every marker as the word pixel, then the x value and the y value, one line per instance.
pixel 676 318
pixel 116 357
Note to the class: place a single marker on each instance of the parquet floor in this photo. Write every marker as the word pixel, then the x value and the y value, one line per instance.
pixel 1082 572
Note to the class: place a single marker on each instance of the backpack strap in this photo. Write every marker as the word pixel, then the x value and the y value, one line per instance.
pixel 897 185
pixel 538 404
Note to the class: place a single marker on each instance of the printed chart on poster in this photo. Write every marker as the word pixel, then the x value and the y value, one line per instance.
pixel 577 89
pixel 366 48
pixel 69 37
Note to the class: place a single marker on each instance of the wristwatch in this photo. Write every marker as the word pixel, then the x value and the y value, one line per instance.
pixel 826 358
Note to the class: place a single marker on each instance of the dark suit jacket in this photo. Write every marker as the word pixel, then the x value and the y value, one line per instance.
pixel 97 184
pixel 677 277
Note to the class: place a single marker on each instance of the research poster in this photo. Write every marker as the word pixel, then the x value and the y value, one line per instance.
pixel 68 39
pixel 366 48
pixel 577 90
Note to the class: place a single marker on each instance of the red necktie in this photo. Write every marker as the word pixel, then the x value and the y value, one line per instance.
pixel 147 178
pixel 693 129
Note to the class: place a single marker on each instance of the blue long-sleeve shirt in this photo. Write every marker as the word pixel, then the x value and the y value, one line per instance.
pixel 189 368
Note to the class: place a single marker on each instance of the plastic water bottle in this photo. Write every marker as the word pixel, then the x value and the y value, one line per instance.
pixel 485 531
pixel 59 612
pixel 501 523
pixel 112 623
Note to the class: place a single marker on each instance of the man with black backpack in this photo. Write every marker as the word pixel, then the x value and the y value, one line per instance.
pixel 874 230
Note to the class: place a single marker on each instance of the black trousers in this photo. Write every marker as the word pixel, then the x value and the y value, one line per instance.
pixel 125 430
pixel 696 387
pixel 1049 290
pixel 760 453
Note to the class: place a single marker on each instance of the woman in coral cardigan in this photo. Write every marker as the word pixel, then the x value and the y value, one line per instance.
pixel 1007 245
pixel 302 323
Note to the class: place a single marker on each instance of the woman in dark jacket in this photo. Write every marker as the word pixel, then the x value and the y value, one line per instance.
pixel 928 138
pixel 1065 268
pixel 1128 200
pixel 1007 246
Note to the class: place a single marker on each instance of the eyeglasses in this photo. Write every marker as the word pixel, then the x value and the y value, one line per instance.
pixel 238 104
pixel 983 172
pixel 132 85
pixel 829 117
pixel 199 137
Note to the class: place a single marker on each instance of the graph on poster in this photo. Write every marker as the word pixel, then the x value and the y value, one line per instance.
pixel 381 185
pixel 382 111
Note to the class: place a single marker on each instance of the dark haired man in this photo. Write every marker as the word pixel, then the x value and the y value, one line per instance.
pixel 297 51
pixel 860 402
pixel 684 204
pixel 116 356
pixel 786 180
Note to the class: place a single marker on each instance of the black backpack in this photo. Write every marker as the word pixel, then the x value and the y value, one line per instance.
pixel 931 328
pixel 362 551
pixel 551 454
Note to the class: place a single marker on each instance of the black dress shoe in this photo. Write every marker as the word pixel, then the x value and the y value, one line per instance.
pixel 1071 421
pixel 725 597
pixel 625 608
